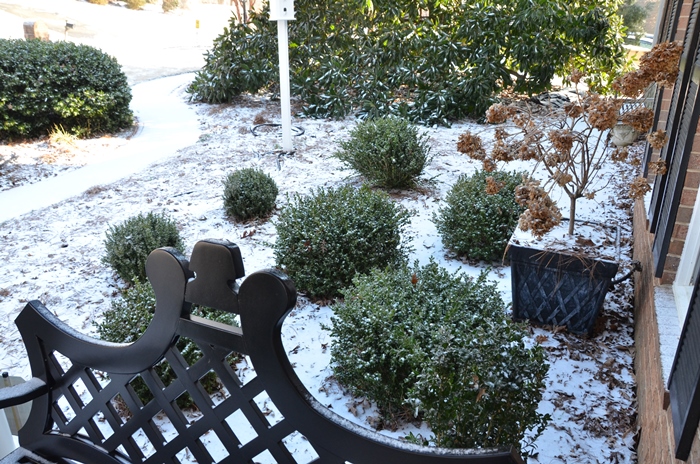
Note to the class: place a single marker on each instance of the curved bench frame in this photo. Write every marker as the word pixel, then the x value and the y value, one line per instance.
pixel 102 424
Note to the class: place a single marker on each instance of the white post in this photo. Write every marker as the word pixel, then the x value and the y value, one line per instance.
pixel 283 45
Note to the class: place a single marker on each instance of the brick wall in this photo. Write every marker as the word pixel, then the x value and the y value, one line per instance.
pixel 685 211
pixel 655 433
pixel 656 442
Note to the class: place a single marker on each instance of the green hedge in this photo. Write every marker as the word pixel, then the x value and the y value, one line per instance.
pixel 326 238
pixel 47 84
pixel 421 342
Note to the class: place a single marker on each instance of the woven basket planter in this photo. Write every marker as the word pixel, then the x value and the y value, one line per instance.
pixel 551 288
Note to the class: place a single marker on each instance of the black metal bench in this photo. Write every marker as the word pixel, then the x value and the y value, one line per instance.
pixel 65 362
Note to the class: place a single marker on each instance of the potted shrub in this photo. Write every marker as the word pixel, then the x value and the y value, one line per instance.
pixel 568 146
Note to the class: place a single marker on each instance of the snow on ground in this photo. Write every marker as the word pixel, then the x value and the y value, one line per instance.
pixel 53 254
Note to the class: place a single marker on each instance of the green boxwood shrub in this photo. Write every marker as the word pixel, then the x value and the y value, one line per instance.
pixel 128 319
pixel 326 238
pixel 249 193
pixel 476 222
pixel 389 152
pixel 48 84
pixel 421 341
pixel 127 245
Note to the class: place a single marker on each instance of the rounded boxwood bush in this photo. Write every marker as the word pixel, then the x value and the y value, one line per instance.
pixel 421 341
pixel 480 214
pixel 128 319
pixel 48 84
pixel 249 193
pixel 128 244
pixel 389 152
pixel 326 238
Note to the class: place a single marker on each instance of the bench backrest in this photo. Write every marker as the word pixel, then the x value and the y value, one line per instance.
pixel 92 414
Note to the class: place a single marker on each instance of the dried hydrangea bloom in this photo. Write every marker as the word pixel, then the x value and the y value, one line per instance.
pixel 632 84
pixel 527 152
pixel 562 178
pixel 471 145
pixel 555 158
pixel 589 195
pixel 576 76
pixel 498 113
pixel 603 112
pixel 640 118
pixel 658 167
pixel 639 188
pixel 522 121
pixel 500 134
pixel 619 154
pixel 573 110
pixel 657 139
pixel 501 151
pixel 562 140
pixel 661 62
pixel 493 186
pixel 540 218
pixel 489 165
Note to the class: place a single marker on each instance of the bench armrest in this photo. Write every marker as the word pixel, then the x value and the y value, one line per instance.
pixel 22 393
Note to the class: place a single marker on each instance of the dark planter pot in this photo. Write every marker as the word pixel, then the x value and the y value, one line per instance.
pixel 552 288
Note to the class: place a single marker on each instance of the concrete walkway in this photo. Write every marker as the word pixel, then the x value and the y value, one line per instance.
pixel 165 124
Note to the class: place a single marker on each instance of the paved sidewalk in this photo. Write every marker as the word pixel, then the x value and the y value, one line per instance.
pixel 165 124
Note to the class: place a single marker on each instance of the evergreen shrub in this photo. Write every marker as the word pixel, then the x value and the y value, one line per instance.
pixel 249 193
pixel 389 152
pixel 326 238
pixel 49 84
pixel 419 341
pixel 128 319
pixel 480 214
pixel 127 245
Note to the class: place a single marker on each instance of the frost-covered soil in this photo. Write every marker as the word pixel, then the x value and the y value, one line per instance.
pixel 53 254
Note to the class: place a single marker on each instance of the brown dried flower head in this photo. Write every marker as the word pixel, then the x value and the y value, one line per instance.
pixel 657 139
pixel 522 121
pixel 573 110
pixel 493 186
pixel 471 145
pixel 562 178
pixel 631 84
pixel 542 214
pixel 640 118
pixel 501 151
pixel 661 62
pixel 603 112
pixel 639 188
pixel 489 165
pixel 658 167
pixel 619 154
pixel 498 113
pixel 576 76
pixel 500 134
pixel 562 140
pixel 589 195
pixel 527 152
